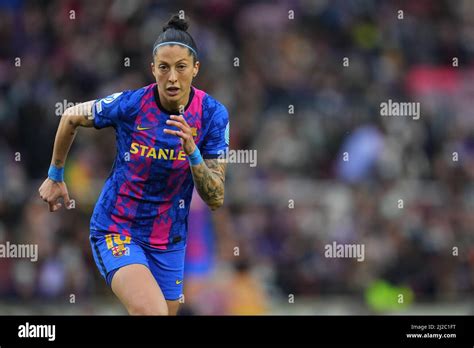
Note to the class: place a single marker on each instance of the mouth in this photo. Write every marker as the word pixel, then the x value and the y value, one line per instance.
pixel 172 91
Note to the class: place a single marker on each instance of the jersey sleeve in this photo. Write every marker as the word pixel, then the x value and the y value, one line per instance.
pixel 110 110
pixel 216 141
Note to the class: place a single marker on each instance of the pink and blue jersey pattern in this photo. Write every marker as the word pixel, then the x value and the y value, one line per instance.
pixel 148 192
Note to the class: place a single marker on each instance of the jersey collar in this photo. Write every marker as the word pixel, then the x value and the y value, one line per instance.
pixel 171 112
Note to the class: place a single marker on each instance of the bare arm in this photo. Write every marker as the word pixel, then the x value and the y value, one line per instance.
pixel 209 175
pixel 73 117
pixel 209 178
pixel 80 115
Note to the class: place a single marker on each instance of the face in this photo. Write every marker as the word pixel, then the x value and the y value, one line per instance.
pixel 174 71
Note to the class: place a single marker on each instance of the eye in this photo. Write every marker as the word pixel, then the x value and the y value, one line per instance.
pixel 181 67
pixel 162 67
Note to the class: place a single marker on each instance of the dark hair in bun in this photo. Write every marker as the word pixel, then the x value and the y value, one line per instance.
pixel 176 23
pixel 176 31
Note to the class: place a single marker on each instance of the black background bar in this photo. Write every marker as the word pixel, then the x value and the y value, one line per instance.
pixel 242 330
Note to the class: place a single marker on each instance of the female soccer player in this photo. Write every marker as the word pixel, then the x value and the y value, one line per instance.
pixel 169 137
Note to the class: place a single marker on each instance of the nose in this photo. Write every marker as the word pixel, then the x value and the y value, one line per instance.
pixel 172 77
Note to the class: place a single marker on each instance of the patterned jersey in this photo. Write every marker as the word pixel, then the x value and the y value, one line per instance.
pixel 148 192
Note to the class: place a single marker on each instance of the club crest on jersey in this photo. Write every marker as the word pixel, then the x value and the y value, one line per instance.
pixel 116 244
pixel 120 250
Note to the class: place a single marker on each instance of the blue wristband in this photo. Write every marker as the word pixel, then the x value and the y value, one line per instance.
pixel 195 158
pixel 55 173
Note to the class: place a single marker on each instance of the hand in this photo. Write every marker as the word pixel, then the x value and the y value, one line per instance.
pixel 50 192
pixel 185 133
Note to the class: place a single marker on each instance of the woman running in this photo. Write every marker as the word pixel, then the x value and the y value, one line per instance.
pixel 169 136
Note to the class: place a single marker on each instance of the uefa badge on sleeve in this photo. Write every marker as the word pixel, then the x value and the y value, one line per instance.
pixel 227 134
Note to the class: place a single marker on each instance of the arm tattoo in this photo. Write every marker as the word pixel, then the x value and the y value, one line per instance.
pixel 209 177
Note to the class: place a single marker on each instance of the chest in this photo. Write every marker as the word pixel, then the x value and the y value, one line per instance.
pixel 150 145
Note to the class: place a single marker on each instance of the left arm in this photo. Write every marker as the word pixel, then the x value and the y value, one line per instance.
pixel 209 175
pixel 209 178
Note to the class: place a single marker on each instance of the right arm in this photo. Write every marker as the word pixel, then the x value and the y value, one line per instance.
pixel 78 115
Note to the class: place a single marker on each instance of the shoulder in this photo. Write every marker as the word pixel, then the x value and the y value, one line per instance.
pixel 135 95
pixel 212 108
pixel 126 99
pixel 120 106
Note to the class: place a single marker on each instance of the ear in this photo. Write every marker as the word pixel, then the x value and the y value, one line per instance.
pixel 152 66
pixel 195 69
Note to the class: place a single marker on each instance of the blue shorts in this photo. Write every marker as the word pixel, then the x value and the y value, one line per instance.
pixel 113 251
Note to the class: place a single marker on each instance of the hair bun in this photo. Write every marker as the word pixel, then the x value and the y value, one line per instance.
pixel 176 23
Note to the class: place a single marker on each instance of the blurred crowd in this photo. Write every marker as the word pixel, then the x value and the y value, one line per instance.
pixel 303 82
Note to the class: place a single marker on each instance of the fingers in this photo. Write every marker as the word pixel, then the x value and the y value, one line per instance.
pixel 66 199
pixel 179 118
pixel 180 125
pixel 53 203
pixel 184 131
pixel 40 191
pixel 180 134
pixel 54 206
pixel 42 196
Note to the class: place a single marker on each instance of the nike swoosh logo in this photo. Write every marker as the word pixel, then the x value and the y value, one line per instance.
pixel 143 128
pixel 178 282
